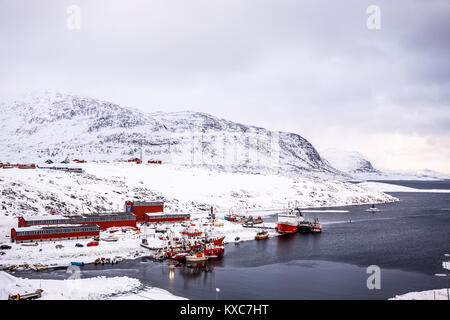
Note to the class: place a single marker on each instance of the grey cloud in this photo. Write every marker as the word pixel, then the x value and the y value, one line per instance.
pixel 302 65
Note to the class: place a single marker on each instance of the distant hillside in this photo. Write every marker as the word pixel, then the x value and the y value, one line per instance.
pixel 52 125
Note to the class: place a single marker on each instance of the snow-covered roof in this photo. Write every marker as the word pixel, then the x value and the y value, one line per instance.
pixel 50 217
pixel 52 226
pixel 166 214
pixel 148 203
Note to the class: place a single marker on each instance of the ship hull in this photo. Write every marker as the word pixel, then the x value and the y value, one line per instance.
pixel 286 228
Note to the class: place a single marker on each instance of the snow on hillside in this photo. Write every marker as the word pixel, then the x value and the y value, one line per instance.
pixel 355 165
pixel 56 125
pixel 106 186
pixel 347 161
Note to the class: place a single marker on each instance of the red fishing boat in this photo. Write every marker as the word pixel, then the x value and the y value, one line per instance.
pixel 289 221
pixel 316 227
pixel 217 241
pixel 191 232
pixel 213 251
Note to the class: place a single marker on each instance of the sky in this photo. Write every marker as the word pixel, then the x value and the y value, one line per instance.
pixel 310 67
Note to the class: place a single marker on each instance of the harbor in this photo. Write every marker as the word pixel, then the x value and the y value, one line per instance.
pixel 328 265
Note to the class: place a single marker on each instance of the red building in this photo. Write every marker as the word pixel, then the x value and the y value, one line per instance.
pixel 137 160
pixel 140 208
pixel 167 217
pixel 104 221
pixel 26 166
pixel 59 232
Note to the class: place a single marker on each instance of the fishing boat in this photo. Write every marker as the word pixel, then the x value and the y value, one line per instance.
pixel 262 235
pixel 231 218
pixel 248 224
pixel 258 220
pixel 213 251
pixel 178 256
pixel 316 227
pixel 217 241
pixel 288 221
pixel 196 257
pixel 189 231
pixel 304 226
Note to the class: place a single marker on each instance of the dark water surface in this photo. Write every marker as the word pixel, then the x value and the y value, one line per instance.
pixel 407 240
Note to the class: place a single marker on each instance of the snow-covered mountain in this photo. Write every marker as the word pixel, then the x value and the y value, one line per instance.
pixel 348 161
pixel 52 125
pixel 358 167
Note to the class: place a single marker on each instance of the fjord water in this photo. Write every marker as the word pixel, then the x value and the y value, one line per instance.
pixel 406 239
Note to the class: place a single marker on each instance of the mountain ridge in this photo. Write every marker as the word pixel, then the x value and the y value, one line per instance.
pixel 60 125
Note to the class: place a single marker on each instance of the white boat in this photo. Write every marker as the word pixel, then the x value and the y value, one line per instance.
pixel 110 239
pixel 373 209
pixel 197 257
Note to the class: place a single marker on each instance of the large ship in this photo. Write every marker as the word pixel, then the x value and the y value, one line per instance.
pixel 289 221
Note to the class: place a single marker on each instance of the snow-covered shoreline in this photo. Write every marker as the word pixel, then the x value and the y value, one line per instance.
pixel 437 294
pixel 389 187
pixel 126 247
pixel 124 288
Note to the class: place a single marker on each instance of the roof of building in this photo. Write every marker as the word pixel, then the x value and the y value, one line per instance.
pixel 148 203
pixel 166 214
pixel 55 226
pixel 93 215
pixel 49 217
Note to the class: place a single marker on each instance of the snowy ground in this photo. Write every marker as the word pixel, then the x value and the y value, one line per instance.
pixel 438 294
pixel 83 288
pixel 388 187
pixel 106 186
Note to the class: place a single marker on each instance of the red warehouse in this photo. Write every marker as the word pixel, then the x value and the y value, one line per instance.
pixel 166 217
pixel 61 232
pixel 104 221
pixel 140 208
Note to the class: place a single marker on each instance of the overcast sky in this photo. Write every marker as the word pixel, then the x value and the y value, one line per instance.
pixel 309 67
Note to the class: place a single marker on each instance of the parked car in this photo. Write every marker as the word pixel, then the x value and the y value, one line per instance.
pixel 59 246
pixel 2 253
pixel 93 243
pixel 79 245
pixel 4 247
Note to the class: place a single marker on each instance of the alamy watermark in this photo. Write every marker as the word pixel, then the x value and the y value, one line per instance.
pixel 374 20
pixel 74 281
pixel 73 21
pixel 374 280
